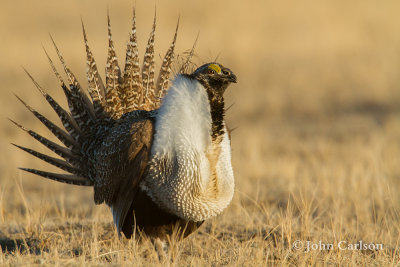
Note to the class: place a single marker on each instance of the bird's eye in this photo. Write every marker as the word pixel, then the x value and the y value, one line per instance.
pixel 225 72
pixel 211 71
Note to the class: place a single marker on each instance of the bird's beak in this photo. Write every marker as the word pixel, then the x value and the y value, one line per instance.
pixel 232 78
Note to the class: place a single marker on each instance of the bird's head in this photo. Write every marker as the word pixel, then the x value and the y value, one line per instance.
pixel 214 77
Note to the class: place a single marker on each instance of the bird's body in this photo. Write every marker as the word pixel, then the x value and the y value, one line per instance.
pixel 159 165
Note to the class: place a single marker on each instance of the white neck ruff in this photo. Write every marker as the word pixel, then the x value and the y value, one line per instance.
pixel 186 174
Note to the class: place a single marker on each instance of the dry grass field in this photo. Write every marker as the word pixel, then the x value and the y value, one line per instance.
pixel 316 154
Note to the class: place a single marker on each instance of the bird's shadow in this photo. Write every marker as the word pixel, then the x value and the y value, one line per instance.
pixel 31 245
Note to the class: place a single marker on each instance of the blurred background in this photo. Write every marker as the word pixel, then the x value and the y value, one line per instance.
pixel 317 103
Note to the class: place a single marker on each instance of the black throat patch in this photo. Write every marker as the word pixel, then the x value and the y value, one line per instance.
pixel 217 108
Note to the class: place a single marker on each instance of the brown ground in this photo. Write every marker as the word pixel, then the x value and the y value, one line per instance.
pixel 316 155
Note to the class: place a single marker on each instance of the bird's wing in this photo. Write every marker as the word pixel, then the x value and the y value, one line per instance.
pixel 121 161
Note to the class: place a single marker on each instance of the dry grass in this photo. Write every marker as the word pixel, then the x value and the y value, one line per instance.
pixel 316 156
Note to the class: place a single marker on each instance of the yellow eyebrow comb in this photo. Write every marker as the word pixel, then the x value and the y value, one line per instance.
pixel 215 67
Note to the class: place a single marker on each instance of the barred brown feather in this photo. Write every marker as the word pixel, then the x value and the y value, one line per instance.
pixel 80 106
pixel 165 71
pixel 185 67
pixel 149 99
pixel 95 84
pixel 113 79
pixel 132 85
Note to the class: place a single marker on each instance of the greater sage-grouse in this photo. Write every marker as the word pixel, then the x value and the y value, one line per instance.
pixel 157 154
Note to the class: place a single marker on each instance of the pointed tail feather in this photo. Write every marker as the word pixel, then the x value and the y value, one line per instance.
pixel 64 178
pixel 79 110
pixel 68 122
pixel 70 75
pixel 165 71
pixel 74 162
pixel 132 84
pixel 96 87
pixel 149 100
pixel 64 165
pixel 80 106
pixel 65 138
pixel 56 148
pixel 58 76
pixel 76 90
pixel 113 79
pixel 188 62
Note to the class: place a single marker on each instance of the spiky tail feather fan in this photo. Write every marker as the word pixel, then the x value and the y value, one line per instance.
pixel 87 120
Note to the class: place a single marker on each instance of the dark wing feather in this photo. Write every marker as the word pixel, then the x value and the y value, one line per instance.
pixel 121 161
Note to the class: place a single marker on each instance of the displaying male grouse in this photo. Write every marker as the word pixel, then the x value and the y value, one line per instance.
pixel 158 154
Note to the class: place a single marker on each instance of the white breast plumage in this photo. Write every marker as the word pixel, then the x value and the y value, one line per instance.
pixel 181 177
